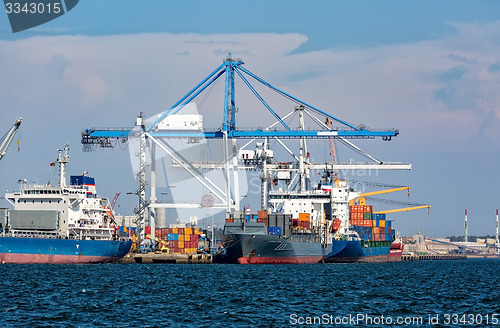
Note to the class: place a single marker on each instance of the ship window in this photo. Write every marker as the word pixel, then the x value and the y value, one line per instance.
pixel 25 201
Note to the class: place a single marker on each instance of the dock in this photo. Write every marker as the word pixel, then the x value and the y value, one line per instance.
pixel 172 258
pixel 435 257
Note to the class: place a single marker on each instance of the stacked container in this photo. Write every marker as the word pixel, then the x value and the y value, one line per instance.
pixel 370 227
pixel 177 240
pixel 360 215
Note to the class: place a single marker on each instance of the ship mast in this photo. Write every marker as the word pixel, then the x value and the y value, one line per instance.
pixel 63 160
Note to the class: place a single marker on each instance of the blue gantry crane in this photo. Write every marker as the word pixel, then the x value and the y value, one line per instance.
pixel 230 68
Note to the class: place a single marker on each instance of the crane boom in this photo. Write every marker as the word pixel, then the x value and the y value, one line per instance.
pixel 380 192
pixel 362 200
pixel 113 203
pixel 404 209
pixel 8 137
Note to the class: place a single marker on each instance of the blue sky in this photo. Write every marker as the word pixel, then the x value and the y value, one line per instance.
pixel 429 68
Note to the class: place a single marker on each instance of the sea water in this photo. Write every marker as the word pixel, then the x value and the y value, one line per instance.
pixel 418 294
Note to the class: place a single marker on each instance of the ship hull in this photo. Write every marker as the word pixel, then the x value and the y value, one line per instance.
pixel 23 250
pixel 344 251
pixel 269 249
pixel 396 252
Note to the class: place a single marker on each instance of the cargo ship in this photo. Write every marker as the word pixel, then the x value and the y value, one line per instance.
pixel 302 232
pixel 370 238
pixel 303 221
pixel 60 223
pixel 317 226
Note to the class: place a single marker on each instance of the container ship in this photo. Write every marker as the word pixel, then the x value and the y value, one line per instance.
pixel 60 224
pixel 370 239
pixel 313 227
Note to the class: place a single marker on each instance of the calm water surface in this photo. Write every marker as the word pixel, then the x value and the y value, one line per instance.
pixel 164 295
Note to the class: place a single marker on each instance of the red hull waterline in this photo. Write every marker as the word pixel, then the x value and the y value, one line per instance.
pixel 280 260
pixel 53 259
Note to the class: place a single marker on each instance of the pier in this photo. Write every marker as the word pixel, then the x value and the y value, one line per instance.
pixel 414 257
pixel 170 258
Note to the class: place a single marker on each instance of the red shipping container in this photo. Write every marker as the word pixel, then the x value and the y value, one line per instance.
pixel 305 224
pixel 229 220
pixel 263 220
pixel 180 231
pixel 195 238
pixel 147 230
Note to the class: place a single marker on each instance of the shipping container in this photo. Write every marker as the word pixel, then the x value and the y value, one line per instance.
pixel 188 231
pixel 382 223
pixel 305 224
pixel 173 236
pixel 304 217
pixel 262 214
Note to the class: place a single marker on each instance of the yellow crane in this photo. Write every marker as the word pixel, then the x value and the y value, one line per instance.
pixel 405 209
pixel 361 200
pixel 164 248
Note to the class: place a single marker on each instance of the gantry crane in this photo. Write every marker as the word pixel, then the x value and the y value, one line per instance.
pixel 8 137
pixel 154 136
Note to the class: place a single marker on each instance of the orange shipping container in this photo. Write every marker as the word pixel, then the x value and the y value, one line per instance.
pixel 304 217
pixel 188 231
pixel 382 223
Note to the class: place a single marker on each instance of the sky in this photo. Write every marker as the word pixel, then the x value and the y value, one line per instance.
pixel 430 69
